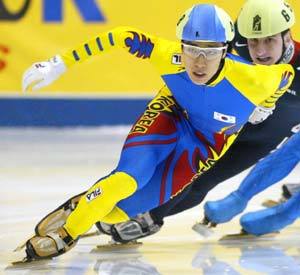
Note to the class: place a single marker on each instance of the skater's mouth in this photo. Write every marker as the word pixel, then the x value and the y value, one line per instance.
pixel 264 60
pixel 199 75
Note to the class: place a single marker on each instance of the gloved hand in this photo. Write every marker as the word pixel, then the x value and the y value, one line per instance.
pixel 260 114
pixel 43 73
pixel 224 210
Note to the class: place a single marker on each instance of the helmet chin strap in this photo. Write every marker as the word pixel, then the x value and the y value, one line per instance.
pixel 214 77
pixel 287 52
pixel 221 65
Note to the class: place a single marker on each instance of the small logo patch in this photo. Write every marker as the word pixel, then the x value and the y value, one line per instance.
pixel 224 118
pixel 238 44
pixel 176 59
pixel 94 194
pixel 256 26
pixel 39 65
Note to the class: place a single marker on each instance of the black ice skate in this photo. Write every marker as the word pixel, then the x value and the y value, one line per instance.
pixel 138 227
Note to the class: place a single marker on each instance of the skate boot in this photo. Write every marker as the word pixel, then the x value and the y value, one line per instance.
pixel 104 228
pixel 53 244
pixel 139 227
pixel 223 210
pixel 289 189
pixel 58 217
pixel 55 220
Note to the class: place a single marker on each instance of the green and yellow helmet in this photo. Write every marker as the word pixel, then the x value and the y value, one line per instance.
pixel 262 18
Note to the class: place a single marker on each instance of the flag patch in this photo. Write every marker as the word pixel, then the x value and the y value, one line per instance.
pixel 224 118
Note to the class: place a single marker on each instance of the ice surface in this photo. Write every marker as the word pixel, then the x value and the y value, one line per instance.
pixel 41 168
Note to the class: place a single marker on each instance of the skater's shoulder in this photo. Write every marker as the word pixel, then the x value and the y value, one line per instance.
pixel 237 58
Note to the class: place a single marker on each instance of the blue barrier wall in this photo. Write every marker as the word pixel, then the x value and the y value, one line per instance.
pixel 69 112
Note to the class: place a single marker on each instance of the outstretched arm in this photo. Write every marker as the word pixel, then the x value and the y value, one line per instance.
pixel 133 41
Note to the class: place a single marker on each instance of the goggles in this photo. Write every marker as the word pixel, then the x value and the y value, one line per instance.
pixel 207 53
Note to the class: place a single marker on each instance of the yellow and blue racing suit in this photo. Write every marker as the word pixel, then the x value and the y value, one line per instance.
pixel 183 131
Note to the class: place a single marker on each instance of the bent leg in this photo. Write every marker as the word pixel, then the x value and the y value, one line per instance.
pixel 272 219
pixel 272 169
pixel 152 139
pixel 99 201
pixel 149 143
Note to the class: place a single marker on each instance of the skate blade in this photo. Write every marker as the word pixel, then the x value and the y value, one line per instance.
pixel 22 245
pixel 28 263
pixel 203 230
pixel 117 246
pixel 91 234
pixel 86 235
pixel 245 236
pixel 270 203
pixel 24 261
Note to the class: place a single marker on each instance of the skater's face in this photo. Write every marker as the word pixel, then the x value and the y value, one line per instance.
pixel 202 60
pixel 268 50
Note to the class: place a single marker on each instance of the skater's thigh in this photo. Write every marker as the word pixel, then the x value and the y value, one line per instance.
pixel 145 198
pixel 151 140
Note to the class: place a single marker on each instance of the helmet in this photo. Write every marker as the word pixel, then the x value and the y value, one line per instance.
pixel 262 18
pixel 205 22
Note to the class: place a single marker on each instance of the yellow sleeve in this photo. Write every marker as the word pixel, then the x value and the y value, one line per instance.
pixel 140 45
pixel 286 80
pixel 261 84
